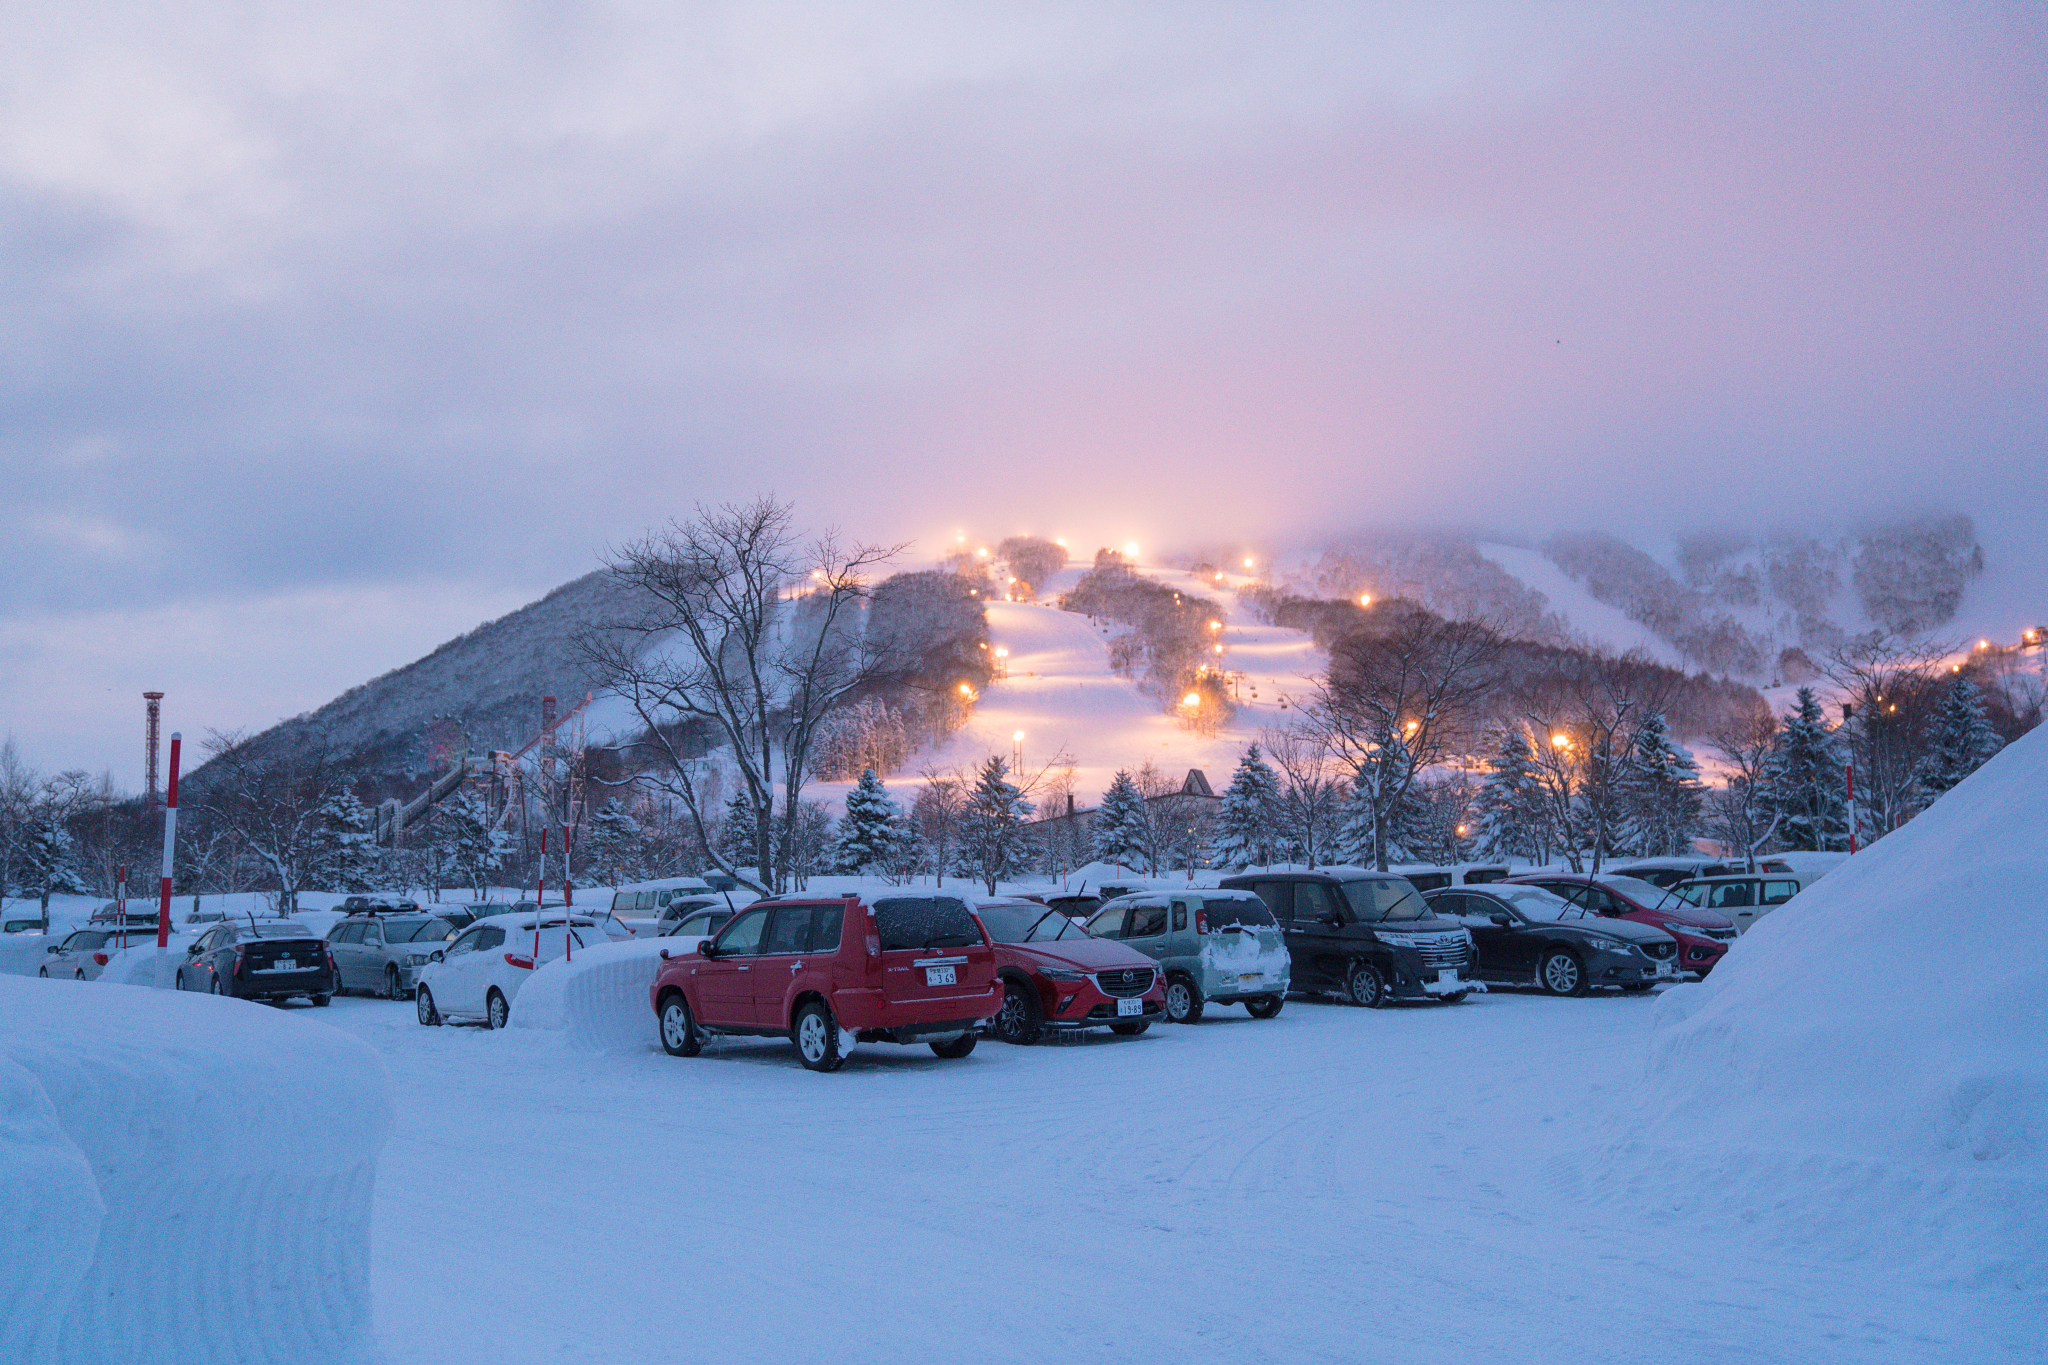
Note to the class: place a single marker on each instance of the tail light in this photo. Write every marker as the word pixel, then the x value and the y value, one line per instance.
pixel 1201 921
pixel 524 964
pixel 100 958
pixel 237 968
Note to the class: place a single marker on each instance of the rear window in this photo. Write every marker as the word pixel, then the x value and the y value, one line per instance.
pixel 1246 910
pixel 1481 876
pixel 938 922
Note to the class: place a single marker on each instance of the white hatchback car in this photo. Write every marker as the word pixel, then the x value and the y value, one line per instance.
pixel 479 975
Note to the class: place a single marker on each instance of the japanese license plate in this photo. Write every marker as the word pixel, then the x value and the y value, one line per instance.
pixel 285 964
pixel 1666 969
pixel 1134 1005
pixel 1444 974
pixel 939 976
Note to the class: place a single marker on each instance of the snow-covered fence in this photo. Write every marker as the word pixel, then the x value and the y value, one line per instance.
pixel 183 1178
pixel 598 998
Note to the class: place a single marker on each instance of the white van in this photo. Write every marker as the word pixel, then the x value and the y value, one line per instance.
pixel 1436 876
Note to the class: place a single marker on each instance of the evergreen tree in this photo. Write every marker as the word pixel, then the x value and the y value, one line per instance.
pixel 1122 834
pixel 468 848
pixel 1662 799
pixel 1959 741
pixel 613 847
pixel 45 862
pixel 1357 838
pixel 1245 822
pixel 871 830
pixel 1510 801
pixel 736 833
pixel 992 839
pixel 1805 781
pixel 348 858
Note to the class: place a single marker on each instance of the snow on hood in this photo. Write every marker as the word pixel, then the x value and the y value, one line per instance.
pixel 1884 1031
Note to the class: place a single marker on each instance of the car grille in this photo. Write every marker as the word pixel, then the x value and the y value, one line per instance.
pixel 1128 981
pixel 1660 950
pixel 1447 950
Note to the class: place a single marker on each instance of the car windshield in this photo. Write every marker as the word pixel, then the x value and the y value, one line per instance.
pixel 1533 902
pixel 1378 900
pixel 1641 892
pixel 1028 924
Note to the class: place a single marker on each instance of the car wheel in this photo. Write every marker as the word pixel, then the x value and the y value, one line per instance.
pixel 1129 1030
pixel 678 1028
pixel 1561 974
pixel 817 1037
pixel 393 988
pixel 78 974
pixel 1264 1006
pixel 1021 1019
pixel 952 1049
pixel 497 1010
pixel 213 986
pixel 423 1001
pixel 1638 988
pixel 320 1002
pixel 1454 997
pixel 1183 1001
pixel 43 972
pixel 1364 985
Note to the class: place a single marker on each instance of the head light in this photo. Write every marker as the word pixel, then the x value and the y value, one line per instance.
pixel 1064 974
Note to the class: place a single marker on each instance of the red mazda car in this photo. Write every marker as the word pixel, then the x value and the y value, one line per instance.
pixel 826 974
pixel 1703 935
pixel 1057 975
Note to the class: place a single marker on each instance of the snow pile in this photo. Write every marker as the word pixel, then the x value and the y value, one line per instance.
pixel 183 1178
pixel 1869 1065
pixel 598 998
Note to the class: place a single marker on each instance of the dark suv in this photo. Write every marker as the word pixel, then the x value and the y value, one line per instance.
pixel 1367 936
pixel 826 974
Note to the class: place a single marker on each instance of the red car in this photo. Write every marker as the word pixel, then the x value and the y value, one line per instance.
pixel 826 974
pixel 1057 975
pixel 1703 935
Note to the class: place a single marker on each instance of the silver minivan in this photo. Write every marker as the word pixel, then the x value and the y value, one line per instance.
pixel 1214 947
pixel 384 953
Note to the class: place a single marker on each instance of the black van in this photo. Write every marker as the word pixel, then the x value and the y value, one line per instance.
pixel 1367 936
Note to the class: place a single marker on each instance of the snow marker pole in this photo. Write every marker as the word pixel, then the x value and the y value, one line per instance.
pixel 163 899
pixel 540 896
pixel 121 903
pixel 1850 771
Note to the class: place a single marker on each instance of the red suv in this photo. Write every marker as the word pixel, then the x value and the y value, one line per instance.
pixel 826 974
pixel 1703 935
pixel 1057 975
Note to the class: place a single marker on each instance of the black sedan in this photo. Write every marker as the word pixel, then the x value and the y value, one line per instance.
pixel 259 960
pixel 1527 936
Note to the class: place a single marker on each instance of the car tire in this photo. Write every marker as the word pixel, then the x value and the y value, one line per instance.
pixel 1366 985
pixel 43 972
pixel 1129 1030
pixel 816 1036
pixel 678 1026
pixel 1021 1020
pixel 953 1049
pixel 78 974
pixel 1183 1001
pixel 1560 973
pixel 394 989
pixel 1639 988
pixel 320 1001
pixel 213 985
pixel 1454 997
pixel 1263 1006
pixel 423 1002
pixel 497 1009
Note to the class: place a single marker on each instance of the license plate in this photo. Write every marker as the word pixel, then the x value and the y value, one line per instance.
pixel 1130 1006
pixel 1250 979
pixel 1444 974
pixel 939 976
pixel 286 964
pixel 1666 969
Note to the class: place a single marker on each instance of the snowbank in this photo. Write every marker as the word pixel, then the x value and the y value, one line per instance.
pixel 183 1178
pixel 598 998
pixel 1869 1065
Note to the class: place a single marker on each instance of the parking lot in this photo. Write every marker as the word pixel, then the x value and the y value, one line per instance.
pixel 1419 1183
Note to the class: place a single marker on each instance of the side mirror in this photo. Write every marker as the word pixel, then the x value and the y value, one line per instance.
pixel 664 954
pixel 1331 920
pixel 54 948
pixel 192 951
pixel 434 956
pixel 707 949
pixel 1502 918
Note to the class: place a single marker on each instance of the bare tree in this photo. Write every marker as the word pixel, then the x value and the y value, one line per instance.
pixel 1400 696
pixel 1892 684
pixel 1741 809
pixel 746 640
pixel 1311 788
pixel 937 812
pixel 272 806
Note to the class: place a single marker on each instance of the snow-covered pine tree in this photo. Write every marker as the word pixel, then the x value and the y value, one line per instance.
pixel 45 863
pixel 1357 843
pixel 1510 801
pixel 1120 833
pixel 1959 740
pixel 469 849
pixel 908 855
pixel 992 839
pixel 613 847
pixel 735 841
pixel 348 859
pixel 870 830
pixel 1805 781
pixel 1662 799
pixel 1244 825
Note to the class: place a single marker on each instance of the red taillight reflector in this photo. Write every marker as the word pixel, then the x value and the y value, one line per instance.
pixel 100 958
pixel 523 963
pixel 1201 921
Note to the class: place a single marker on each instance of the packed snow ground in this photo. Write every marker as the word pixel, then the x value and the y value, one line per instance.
pixel 1334 1184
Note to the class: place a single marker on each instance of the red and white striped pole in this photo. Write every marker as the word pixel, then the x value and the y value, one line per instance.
pixel 1850 773
pixel 540 896
pixel 163 897
pixel 568 900
pixel 121 904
